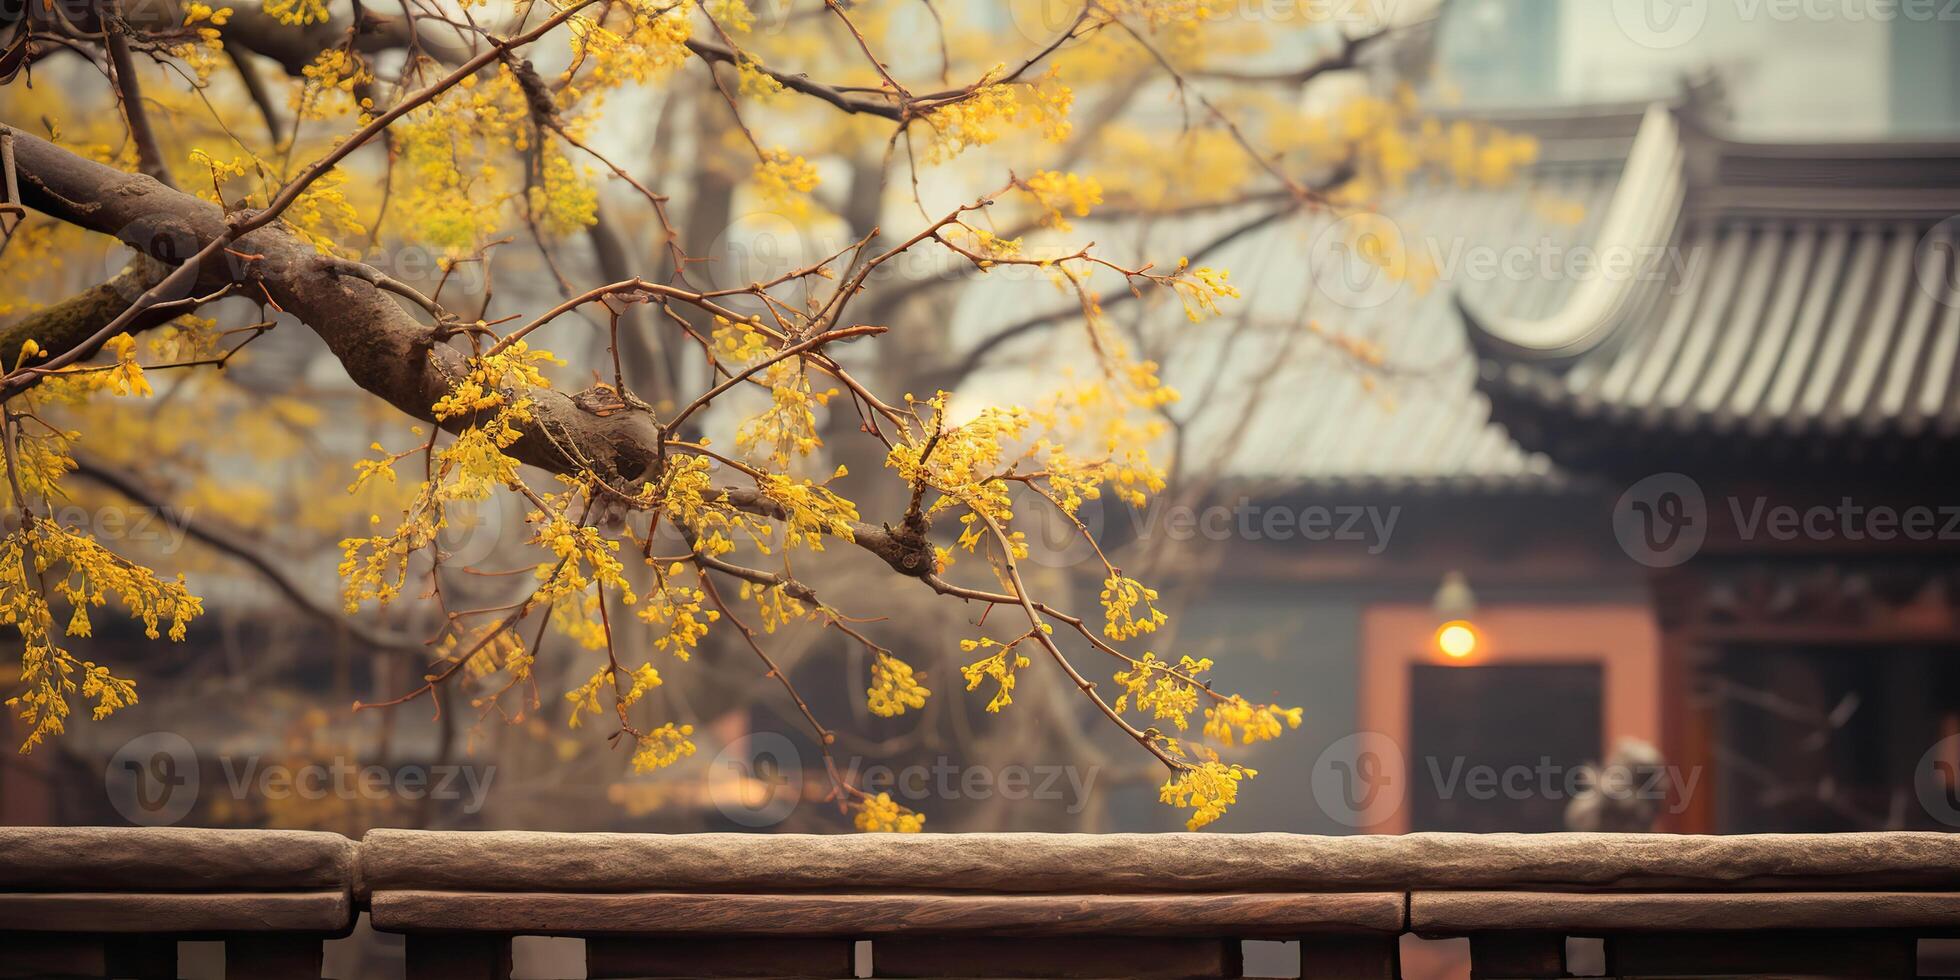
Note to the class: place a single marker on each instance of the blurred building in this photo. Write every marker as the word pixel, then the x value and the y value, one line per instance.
pixel 1664 438
pixel 1860 68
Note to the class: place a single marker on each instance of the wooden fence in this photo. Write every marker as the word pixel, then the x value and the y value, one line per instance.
pixel 96 902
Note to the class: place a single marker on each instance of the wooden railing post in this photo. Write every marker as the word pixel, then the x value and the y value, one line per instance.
pixel 612 958
pixel 458 956
pixel 273 957
pixel 1517 955
pixel 1062 958
pixel 1364 957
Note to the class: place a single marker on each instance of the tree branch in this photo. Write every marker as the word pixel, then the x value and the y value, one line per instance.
pixel 382 348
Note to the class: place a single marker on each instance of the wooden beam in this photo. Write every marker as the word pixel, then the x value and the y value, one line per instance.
pixel 317 912
pixel 1469 913
pixel 516 861
pixel 165 859
pixel 1268 915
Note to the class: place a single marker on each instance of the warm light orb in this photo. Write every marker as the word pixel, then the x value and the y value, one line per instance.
pixel 1457 639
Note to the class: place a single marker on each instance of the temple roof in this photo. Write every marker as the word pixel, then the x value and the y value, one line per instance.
pixel 1773 303
pixel 1419 423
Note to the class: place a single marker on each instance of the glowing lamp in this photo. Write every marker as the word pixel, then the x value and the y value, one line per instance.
pixel 1457 639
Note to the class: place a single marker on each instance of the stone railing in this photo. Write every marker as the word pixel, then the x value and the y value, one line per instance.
pixel 113 902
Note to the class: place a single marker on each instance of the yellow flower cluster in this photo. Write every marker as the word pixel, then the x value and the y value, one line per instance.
pixel 473 465
pixel 1122 599
pixel 1255 722
pixel 1167 693
pixel 774 605
pixel 86 575
pixel 646 42
pixel 207 53
pixel 502 650
pixel 788 427
pixel 690 499
pixel 330 82
pixel 1202 289
pixel 753 82
pixel 297 13
pixel 583 557
pixel 675 613
pixel 1062 194
pixel 880 814
pixel 733 15
pixel 963 466
pixel 810 511
pixel 981 117
pixel 450 175
pixel 1208 789
pixel 1000 665
pixel 662 747
pixel 783 181
pixel 563 199
pixel 739 342
pixel 376 567
pixel 894 687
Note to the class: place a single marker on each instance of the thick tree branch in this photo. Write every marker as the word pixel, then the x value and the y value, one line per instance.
pixel 295 47
pixel 383 349
pixel 79 317
pixel 236 229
